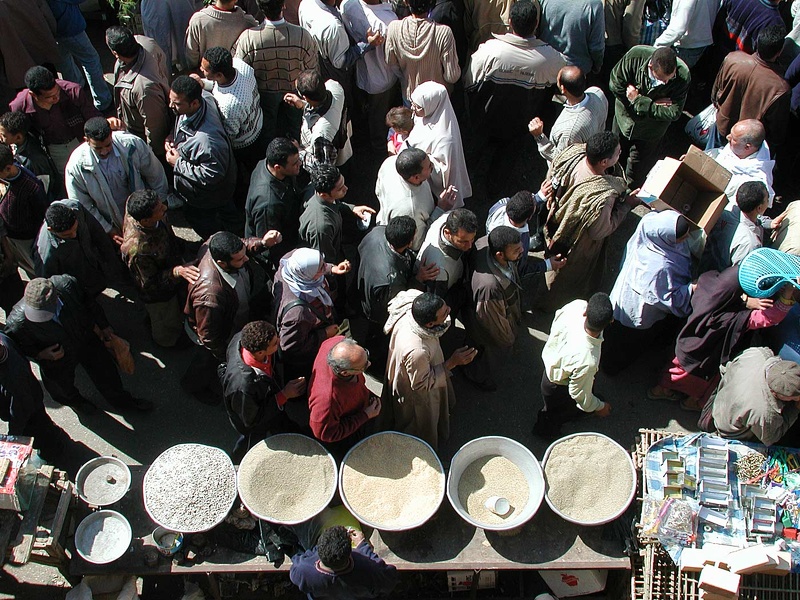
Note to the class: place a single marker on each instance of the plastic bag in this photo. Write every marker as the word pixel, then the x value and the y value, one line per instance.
pixel 121 351
pixel 677 523
pixel 699 125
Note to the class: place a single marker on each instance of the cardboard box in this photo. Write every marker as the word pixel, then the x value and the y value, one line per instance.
pixel 566 584
pixel 719 581
pixel 694 186
pixel 755 559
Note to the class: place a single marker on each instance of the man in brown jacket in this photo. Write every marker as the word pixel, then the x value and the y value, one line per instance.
pixel 141 91
pixel 750 86
pixel 227 294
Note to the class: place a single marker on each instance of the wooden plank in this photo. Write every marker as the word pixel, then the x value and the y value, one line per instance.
pixel 8 524
pixel 60 518
pixel 23 545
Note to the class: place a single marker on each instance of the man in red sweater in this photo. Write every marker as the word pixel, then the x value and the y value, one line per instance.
pixel 338 398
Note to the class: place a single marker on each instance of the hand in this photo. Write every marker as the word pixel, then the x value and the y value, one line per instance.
pixel 663 102
pixel 172 156
pixel 557 262
pixel 427 272
pixel 374 38
pixel 631 93
pixel 362 211
pixel 116 236
pixel 189 272
pixel 294 100
pixel 462 356
pixel 295 388
pixel 115 124
pixel 603 412
pixel 776 222
pixel 54 352
pixel 536 127
pixel 342 268
pixel 447 198
pixel 390 147
pixel 759 303
pixel 331 330
pixel 373 409
pixel 272 237
pixel 356 537
pixel 632 199
pixel 197 78
pixel 546 191
pixel 787 292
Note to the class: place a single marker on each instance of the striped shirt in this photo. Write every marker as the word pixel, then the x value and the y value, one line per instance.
pixel 575 124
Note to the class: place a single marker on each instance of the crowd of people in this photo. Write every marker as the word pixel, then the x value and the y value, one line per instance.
pixel 246 131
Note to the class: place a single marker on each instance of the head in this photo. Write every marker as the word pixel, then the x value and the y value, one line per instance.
pixel 347 359
pixel 328 183
pixel 664 64
pixel 460 228
pixel 572 82
pixel 429 310
pixel 419 8
pixel 273 9
pixel 122 44
pixel 603 150
pixel 185 96
pixel 752 198
pixel 228 251
pixel 401 119
pixel 505 244
pixel 61 221
pixel 311 86
pixel 333 547
pixel 14 127
pixel 783 380
pixel 260 339
pixel 41 300
pixel 400 232
pixel 217 65
pixel 146 207
pixel 283 158
pixel 414 166
pixel 7 168
pixel 524 17
pixel 769 43
pixel 521 207
pixel 306 265
pixel 41 84
pixel 746 137
pixel 97 133
pixel 599 314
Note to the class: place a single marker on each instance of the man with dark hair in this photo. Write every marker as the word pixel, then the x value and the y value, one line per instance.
pixel 141 89
pixel 512 69
pixel 253 389
pixel 584 114
pixel 274 200
pixel 571 358
pixel 228 292
pixel 200 153
pixel 588 206
pixel 217 25
pixel 751 86
pixel 342 565
pixel 650 86
pixel 22 207
pixel 278 51
pixel 154 257
pixel 104 170
pixel 15 130
pixel 402 188
pixel 739 230
pixel 421 49
pixel 72 241
pixel 58 110
pixel 577 30
pixel 417 393
pixel 447 245
pixel 60 327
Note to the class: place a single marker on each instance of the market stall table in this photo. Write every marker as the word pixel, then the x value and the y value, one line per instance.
pixel 445 542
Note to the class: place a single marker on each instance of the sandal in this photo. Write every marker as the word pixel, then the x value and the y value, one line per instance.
pixel 660 393
pixel 692 404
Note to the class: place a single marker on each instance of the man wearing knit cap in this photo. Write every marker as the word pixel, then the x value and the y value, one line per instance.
pixel 758 398
pixel 55 325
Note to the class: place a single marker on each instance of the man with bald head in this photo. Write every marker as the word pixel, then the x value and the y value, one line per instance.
pixel 746 156
pixel 338 398
pixel 584 114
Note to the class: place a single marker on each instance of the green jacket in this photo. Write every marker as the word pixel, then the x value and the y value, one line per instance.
pixel 643 119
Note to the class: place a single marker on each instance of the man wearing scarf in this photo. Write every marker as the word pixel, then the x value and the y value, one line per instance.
pixel 418 395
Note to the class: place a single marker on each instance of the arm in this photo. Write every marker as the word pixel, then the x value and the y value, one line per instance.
pixel 632 23
pixel 150 169
pixel 618 80
pixel 611 217
pixel 493 315
pixel 201 165
pixel 646 106
pixel 776 122
pixel 450 69
pixel 385 579
pixel 767 317
pixel 678 23
pixel 475 71
pixel 212 329
pixel 149 275
pixel 192 44
pixel 421 373
pixel 76 190
pixel 328 426
pixel 597 38
pixel 152 106
pixel 580 389
pixel 339 50
pixel 299 338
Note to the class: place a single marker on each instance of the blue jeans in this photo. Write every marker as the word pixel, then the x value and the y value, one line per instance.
pixel 689 55
pixel 78 50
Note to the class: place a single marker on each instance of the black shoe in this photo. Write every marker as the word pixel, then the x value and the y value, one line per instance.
pixel 544 430
pixel 81 405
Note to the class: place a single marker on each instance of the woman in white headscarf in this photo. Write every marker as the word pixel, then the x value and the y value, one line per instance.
pixel 436 131
pixel 654 283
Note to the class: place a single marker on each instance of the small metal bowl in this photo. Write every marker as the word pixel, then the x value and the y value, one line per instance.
pixel 103 537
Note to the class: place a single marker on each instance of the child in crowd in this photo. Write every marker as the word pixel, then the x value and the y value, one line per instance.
pixel 400 121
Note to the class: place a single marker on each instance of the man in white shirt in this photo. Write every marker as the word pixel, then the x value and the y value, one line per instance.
pixel 584 114
pixel 571 358
pixel 690 29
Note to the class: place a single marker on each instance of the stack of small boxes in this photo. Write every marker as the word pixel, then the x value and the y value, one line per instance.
pixel 712 473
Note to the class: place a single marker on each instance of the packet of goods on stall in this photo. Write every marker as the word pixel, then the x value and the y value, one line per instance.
pixel 677 522
pixel 651 509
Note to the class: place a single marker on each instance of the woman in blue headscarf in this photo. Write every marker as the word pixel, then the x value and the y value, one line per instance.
pixel 653 290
